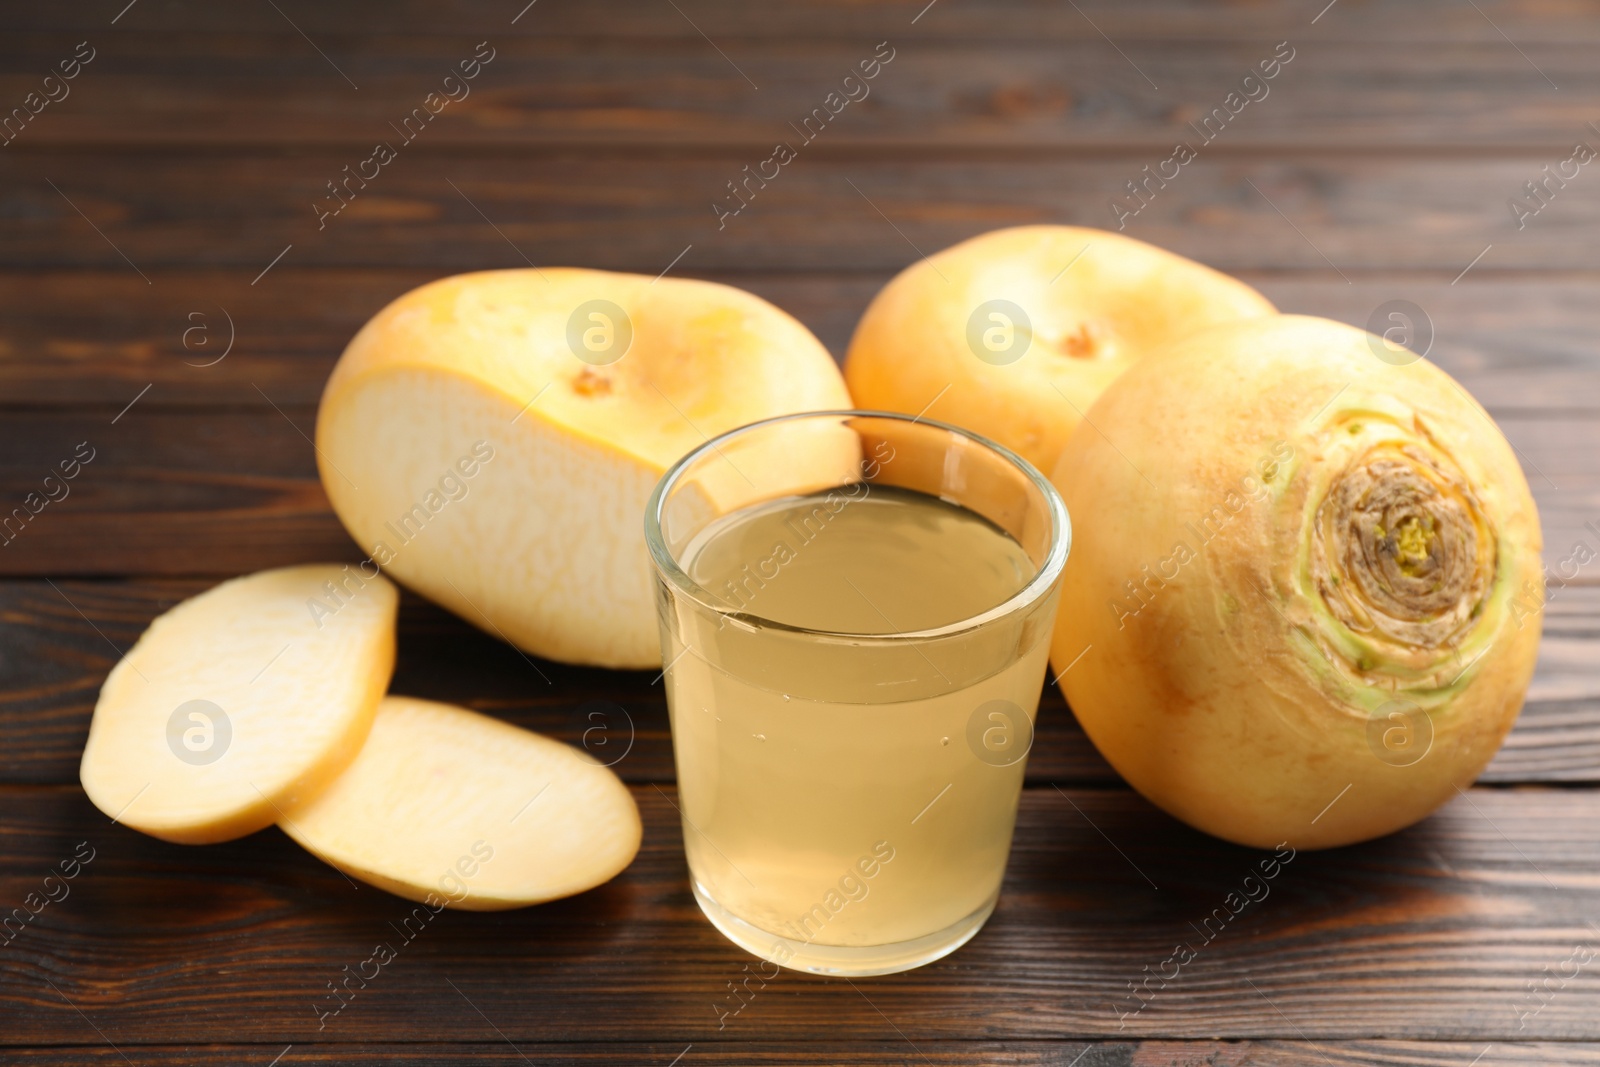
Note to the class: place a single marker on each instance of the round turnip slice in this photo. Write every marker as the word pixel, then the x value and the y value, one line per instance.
pixel 241 702
pixel 452 808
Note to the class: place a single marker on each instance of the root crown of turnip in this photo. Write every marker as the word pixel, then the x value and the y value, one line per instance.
pixel 1401 551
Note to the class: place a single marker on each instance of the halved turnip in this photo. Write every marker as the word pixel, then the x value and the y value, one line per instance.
pixel 491 439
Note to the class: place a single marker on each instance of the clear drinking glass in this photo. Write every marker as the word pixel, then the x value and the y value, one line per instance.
pixel 848 789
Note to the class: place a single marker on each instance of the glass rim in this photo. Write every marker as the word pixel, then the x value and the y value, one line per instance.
pixel 1036 587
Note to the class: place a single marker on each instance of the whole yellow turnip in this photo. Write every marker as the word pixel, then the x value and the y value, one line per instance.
pixel 1014 333
pixel 1302 602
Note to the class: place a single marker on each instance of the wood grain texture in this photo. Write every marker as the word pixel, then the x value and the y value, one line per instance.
pixel 1436 932
pixel 1060 90
pixel 638 210
pixel 59 639
pixel 1517 344
pixel 240 487
pixel 890 1051
pixel 1527 21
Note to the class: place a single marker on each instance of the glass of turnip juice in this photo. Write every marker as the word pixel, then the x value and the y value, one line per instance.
pixel 855 613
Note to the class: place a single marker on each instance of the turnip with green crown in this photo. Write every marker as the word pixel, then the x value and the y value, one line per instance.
pixel 1302 600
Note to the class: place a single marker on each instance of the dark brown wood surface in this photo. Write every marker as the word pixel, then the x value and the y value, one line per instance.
pixel 142 219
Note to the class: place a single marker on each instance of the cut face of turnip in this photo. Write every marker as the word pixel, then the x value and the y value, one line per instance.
pixel 491 439
pixel 241 701
pixel 452 808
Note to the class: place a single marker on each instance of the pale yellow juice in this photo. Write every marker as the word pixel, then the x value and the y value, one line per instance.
pixel 841 797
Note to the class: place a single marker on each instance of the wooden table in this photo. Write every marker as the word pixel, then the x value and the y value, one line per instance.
pixel 163 212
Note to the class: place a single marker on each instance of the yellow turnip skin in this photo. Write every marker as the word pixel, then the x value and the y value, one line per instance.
pixel 1092 303
pixel 1279 539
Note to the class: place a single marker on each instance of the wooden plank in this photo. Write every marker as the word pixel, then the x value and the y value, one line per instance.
pixel 239 487
pixel 207 492
pixel 58 640
pixel 100 336
pixel 632 210
pixel 1430 21
pixel 891 1051
pixel 1516 344
pixel 1436 932
pixel 1042 94
pixel 205 338
pixel 1553 739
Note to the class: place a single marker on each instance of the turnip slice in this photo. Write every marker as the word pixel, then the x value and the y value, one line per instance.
pixel 241 702
pixel 453 808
